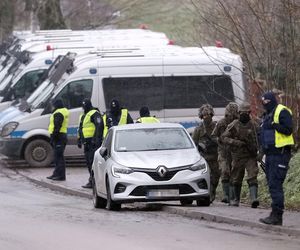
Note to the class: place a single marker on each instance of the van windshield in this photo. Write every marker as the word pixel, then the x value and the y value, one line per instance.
pixel 42 97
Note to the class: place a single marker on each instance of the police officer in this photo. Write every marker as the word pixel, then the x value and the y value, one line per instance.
pixel 115 116
pixel 207 145
pixel 145 116
pixel 276 140
pixel 58 137
pixel 90 132
pixel 224 153
pixel 241 135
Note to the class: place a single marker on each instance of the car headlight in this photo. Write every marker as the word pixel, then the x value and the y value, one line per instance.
pixel 116 170
pixel 199 165
pixel 9 128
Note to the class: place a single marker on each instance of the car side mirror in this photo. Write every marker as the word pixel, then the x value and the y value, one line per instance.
pixel 103 152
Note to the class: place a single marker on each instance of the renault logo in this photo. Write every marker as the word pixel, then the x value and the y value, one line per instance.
pixel 162 171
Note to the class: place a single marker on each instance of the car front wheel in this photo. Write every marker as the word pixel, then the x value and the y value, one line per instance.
pixel 185 202
pixel 111 205
pixel 203 202
pixel 98 201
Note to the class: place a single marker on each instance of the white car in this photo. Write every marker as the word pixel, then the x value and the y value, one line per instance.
pixel 149 162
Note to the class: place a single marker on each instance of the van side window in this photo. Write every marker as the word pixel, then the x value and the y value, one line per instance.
pixel 171 92
pixel 74 93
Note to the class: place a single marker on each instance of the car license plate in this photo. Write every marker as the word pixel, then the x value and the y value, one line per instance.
pixel 163 193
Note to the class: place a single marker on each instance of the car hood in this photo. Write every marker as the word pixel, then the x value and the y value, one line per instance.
pixel 152 159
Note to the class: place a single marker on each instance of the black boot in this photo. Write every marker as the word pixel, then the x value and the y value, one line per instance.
pixel 236 193
pixel 253 196
pixel 88 185
pixel 225 186
pixel 275 218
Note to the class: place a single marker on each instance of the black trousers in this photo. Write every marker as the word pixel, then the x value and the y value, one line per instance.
pixel 59 159
pixel 89 151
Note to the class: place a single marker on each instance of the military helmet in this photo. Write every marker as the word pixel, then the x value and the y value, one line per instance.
pixel 245 107
pixel 232 109
pixel 206 109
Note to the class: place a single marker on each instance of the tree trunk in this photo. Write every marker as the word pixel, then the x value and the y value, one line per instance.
pixel 6 18
pixel 50 15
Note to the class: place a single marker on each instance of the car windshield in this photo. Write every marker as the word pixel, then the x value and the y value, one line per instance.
pixel 42 97
pixel 150 139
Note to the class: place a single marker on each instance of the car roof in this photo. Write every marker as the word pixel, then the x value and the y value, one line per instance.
pixel 146 125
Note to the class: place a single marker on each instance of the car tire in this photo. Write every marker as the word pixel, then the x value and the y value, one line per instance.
pixel 38 153
pixel 111 205
pixel 98 201
pixel 203 202
pixel 185 202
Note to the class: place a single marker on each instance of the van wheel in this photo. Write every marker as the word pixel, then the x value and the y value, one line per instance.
pixel 111 205
pixel 38 153
pixel 98 201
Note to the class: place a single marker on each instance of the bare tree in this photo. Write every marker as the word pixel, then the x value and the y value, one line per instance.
pixel 6 18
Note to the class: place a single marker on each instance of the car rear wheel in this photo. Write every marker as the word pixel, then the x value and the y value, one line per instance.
pixel 111 205
pixel 203 202
pixel 185 202
pixel 38 153
pixel 98 201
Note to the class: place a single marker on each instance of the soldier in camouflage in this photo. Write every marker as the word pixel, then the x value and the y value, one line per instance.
pixel 224 153
pixel 242 137
pixel 207 145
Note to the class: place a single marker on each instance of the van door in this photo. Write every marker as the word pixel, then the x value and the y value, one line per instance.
pixel 72 95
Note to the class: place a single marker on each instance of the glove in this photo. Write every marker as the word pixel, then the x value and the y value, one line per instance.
pixel 239 143
pixel 79 145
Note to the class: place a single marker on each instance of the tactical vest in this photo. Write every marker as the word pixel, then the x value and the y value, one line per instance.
pixel 123 120
pixel 65 112
pixel 88 128
pixel 149 119
pixel 282 140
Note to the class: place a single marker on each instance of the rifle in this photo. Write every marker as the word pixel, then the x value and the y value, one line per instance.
pixel 262 165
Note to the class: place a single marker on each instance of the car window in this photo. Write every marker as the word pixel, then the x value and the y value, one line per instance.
pixel 74 93
pixel 152 139
pixel 108 141
pixel 27 83
pixel 170 92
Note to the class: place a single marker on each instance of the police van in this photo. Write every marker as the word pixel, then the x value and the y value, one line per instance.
pixel 172 82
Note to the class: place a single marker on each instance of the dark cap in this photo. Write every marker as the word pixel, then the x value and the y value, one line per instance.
pixel 144 111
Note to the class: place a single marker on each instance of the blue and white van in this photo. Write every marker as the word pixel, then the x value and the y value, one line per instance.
pixel 173 82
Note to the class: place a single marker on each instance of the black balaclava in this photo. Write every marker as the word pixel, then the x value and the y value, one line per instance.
pixel 269 107
pixel 86 105
pixel 115 107
pixel 144 112
pixel 244 117
pixel 57 104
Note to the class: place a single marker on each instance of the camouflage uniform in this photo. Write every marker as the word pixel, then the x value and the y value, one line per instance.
pixel 224 153
pixel 207 145
pixel 242 138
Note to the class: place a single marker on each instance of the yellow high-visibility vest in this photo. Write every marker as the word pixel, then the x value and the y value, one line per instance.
pixel 64 127
pixel 282 140
pixel 123 120
pixel 88 128
pixel 148 119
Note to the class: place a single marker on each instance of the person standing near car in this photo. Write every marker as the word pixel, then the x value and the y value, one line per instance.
pixel 145 116
pixel 57 129
pixel 207 145
pixel 241 136
pixel 115 116
pixel 90 133
pixel 276 139
pixel 224 153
